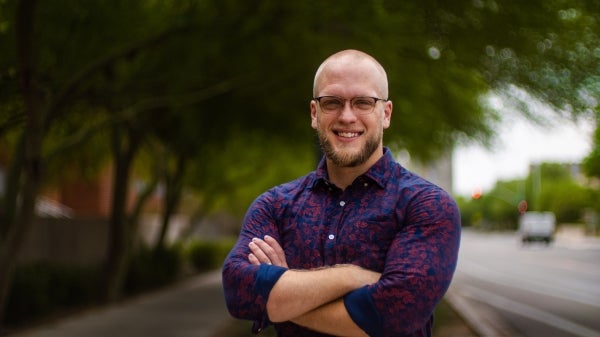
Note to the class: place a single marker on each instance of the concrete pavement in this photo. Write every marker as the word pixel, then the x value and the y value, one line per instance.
pixel 194 307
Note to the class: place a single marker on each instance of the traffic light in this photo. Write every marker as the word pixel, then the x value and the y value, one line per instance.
pixel 476 194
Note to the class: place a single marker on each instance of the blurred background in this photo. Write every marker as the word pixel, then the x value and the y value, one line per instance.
pixel 134 134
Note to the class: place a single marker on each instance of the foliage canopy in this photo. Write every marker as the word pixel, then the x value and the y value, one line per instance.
pixel 207 86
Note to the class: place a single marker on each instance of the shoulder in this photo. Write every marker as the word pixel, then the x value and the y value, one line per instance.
pixel 274 202
pixel 417 189
pixel 288 190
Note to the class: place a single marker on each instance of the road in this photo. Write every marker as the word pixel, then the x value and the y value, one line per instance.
pixel 506 289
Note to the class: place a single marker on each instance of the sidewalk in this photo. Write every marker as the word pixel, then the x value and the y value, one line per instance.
pixel 194 307
pixel 574 237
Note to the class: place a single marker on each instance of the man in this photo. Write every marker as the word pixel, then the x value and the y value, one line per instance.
pixel 359 247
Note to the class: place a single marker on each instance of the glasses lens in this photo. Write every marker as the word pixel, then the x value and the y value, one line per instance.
pixel 360 105
pixel 363 104
pixel 331 104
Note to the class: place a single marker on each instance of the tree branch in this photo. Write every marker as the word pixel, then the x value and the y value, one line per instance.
pixel 78 79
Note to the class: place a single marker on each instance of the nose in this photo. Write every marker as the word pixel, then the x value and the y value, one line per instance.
pixel 347 113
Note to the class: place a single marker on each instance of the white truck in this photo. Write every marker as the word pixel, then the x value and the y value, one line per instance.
pixel 537 226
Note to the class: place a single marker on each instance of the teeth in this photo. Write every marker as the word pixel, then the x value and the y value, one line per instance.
pixel 348 134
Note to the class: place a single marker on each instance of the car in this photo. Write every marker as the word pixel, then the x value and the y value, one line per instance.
pixel 537 226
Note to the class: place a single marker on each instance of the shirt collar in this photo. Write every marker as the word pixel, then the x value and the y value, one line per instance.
pixel 379 172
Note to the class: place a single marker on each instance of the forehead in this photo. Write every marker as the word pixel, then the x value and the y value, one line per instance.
pixel 349 78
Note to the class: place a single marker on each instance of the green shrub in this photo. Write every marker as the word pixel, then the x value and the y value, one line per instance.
pixel 42 288
pixel 45 288
pixel 567 200
pixel 153 267
pixel 206 255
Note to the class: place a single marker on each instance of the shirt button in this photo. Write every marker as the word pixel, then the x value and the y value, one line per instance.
pixel 342 203
pixel 366 184
pixel 331 236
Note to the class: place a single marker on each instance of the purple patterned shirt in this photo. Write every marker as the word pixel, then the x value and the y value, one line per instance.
pixel 389 220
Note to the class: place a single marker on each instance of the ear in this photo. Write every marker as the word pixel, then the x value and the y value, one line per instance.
pixel 387 114
pixel 313 114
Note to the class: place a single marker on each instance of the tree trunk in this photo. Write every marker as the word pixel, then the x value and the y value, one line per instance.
pixel 18 227
pixel 120 229
pixel 174 185
pixel 144 195
pixel 25 170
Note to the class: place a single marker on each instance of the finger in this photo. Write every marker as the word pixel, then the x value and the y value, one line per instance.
pixel 279 257
pixel 253 259
pixel 258 252
pixel 266 249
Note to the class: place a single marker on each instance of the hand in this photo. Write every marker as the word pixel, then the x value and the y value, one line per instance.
pixel 267 251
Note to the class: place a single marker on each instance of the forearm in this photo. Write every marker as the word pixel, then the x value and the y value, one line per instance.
pixel 331 318
pixel 299 292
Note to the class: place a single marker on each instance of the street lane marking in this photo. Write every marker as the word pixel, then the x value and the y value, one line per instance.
pixel 562 292
pixel 484 322
pixel 528 311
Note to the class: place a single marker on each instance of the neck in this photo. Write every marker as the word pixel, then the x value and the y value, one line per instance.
pixel 343 177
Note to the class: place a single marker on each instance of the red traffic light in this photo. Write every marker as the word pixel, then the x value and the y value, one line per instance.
pixel 476 194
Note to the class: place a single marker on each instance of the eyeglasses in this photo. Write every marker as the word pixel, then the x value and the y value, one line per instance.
pixel 362 105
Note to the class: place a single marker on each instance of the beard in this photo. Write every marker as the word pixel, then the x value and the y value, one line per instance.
pixel 344 158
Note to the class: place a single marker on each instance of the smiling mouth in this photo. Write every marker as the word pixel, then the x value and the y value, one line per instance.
pixel 348 134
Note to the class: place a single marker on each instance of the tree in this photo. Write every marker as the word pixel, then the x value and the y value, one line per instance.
pixel 194 75
pixel 51 79
pixel 551 187
pixel 548 187
pixel 24 177
pixel 591 164
pixel 499 206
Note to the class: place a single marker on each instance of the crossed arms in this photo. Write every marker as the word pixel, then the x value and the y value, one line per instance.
pixel 345 299
pixel 311 298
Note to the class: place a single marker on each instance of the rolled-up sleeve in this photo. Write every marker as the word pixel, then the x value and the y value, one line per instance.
pixel 246 286
pixel 419 268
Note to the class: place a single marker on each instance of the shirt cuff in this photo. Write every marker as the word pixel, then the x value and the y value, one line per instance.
pixel 362 310
pixel 266 278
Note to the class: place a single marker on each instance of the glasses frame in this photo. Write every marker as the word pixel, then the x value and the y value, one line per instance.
pixel 344 100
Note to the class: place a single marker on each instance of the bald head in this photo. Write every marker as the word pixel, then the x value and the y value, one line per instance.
pixel 347 61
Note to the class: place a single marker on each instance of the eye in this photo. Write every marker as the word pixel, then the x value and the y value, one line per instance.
pixel 363 103
pixel 331 103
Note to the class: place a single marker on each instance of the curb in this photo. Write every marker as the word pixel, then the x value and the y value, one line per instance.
pixel 483 322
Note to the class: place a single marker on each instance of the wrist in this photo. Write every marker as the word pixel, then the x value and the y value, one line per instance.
pixel 360 276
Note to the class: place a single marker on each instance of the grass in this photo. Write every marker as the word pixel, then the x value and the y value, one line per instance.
pixel 448 323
